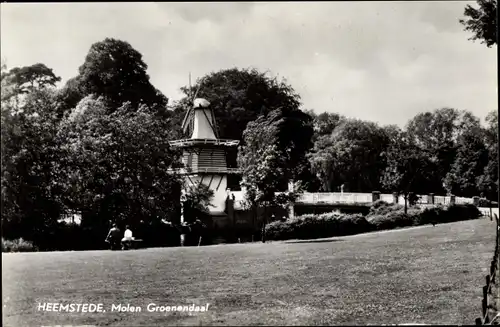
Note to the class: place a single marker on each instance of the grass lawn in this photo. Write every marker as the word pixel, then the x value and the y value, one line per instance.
pixel 418 275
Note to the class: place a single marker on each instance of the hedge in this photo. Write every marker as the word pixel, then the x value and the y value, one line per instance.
pixel 382 216
pixel 17 245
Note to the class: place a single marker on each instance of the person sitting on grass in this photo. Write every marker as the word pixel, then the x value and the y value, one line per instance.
pixel 127 238
pixel 113 237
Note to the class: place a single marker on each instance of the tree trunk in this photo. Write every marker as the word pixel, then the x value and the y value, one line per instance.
pixel 406 203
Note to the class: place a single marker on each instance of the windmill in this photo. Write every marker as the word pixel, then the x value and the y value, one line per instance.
pixel 204 154
pixel 195 103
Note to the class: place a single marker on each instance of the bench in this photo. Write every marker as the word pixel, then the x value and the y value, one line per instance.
pixel 133 244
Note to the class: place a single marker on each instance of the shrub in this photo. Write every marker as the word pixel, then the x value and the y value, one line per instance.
pixel 18 245
pixel 458 212
pixel 430 215
pixel 413 199
pixel 485 203
pixel 382 216
pixel 390 220
pixel 312 226
pixel 380 207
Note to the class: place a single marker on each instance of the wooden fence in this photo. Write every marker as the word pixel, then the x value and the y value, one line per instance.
pixel 491 297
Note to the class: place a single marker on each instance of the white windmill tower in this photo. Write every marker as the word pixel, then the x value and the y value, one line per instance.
pixel 204 156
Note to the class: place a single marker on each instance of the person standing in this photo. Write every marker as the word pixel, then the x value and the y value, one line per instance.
pixel 185 230
pixel 113 237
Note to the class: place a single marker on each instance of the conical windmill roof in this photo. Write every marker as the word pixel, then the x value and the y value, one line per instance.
pixel 203 121
pixel 201 103
pixel 200 122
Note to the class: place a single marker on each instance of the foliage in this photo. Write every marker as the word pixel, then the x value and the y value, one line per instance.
pixel 262 171
pixel 23 80
pixel 382 217
pixel 317 226
pixel 390 220
pixel 470 162
pixel 380 207
pixel 272 154
pixel 482 22
pixel 115 70
pixel 197 202
pixel 488 180
pixel 437 134
pixel 239 96
pixel 69 96
pixel 406 168
pixel 17 245
pixel 485 203
pixel 30 195
pixel 99 145
pixel 350 156
pixel 325 123
pixel 117 165
pixel 290 131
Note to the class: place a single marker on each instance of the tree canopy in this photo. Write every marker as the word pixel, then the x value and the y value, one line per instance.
pixel 100 145
pixel 116 71
pixel 117 165
pixel 482 22
pixel 350 156
pixel 239 96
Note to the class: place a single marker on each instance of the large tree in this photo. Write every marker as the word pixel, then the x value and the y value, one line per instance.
pixel 437 133
pixel 482 22
pixel 239 96
pixel 21 81
pixel 488 180
pixel 470 161
pixel 350 156
pixel 274 153
pixel 116 71
pixel 263 171
pixel 29 78
pixel 406 168
pixel 118 165
pixel 30 197
pixel 290 130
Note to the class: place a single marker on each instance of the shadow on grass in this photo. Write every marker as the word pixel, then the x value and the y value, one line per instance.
pixel 314 241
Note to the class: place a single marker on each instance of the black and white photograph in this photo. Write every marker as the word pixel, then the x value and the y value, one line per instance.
pixel 249 163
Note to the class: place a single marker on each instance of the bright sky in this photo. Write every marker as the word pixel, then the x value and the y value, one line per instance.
pixel 379 61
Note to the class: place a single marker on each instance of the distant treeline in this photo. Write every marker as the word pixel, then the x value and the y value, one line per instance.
pixel 99 145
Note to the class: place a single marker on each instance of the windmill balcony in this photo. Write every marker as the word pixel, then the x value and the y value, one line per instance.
pixel 206 170
pixel 191 142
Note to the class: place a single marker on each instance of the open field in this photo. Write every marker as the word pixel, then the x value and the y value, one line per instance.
pixel 418 275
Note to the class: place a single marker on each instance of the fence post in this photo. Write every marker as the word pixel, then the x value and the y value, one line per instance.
pixel 491 210
pixel 485 304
